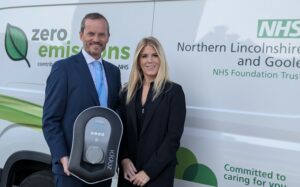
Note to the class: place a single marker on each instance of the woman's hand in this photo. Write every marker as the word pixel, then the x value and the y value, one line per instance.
pixel 140 179
pixel 128 168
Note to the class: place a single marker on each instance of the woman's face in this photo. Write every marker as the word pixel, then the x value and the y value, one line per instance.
pixel 149 62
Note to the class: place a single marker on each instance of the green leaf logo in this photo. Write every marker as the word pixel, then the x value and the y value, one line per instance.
pixel 16 44
pixel 189 169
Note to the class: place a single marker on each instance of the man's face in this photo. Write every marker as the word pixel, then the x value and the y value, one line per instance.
pixel 94 37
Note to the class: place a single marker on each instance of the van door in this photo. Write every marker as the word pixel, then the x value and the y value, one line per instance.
pixel 241 80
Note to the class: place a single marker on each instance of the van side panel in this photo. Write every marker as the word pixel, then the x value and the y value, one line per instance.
pixel 34 36
pixel 240 76
pixel 237 61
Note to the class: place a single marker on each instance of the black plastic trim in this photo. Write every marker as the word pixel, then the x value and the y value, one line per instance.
pixel 19 156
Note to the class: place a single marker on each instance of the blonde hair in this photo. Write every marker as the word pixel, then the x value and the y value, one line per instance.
pixel 136 74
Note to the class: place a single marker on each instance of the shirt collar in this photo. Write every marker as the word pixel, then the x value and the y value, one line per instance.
pixel 88 58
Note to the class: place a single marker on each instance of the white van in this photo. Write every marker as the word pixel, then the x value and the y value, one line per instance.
pixel 238 63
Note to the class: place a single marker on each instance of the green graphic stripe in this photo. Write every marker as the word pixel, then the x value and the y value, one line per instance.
pixel 20 111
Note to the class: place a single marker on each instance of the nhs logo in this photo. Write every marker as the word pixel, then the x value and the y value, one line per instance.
pixel 278 28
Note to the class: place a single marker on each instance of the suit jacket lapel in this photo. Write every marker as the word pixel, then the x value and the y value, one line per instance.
pixel 109 80
pixel 150 111
pixel 132 114
pixel 84 70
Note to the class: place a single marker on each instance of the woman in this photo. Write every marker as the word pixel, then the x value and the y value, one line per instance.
pixel 153 112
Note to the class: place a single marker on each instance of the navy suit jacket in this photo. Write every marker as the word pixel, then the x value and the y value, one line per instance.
pixel 70 90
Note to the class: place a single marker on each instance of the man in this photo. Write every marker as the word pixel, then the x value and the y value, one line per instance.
pixel 75 84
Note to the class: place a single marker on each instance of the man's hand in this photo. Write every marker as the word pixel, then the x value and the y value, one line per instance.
pixel 65 161
pixel 128 168
pixel 140 179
